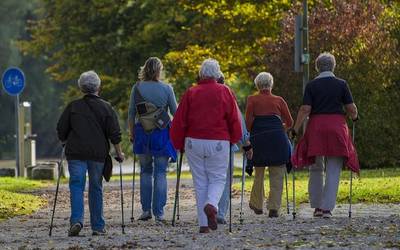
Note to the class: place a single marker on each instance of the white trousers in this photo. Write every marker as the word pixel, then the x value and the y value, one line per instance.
pixel 208 161
pixel 323 195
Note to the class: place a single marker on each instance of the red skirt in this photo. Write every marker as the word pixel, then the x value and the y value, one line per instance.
pixel 326 135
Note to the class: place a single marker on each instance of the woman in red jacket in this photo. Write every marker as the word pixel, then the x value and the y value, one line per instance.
pixel 204 125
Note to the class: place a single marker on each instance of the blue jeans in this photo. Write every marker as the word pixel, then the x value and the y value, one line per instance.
pixel 223 204
pixel 153 168
pixel 77 180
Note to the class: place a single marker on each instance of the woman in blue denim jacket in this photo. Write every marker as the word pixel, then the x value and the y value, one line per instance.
pixel 154 149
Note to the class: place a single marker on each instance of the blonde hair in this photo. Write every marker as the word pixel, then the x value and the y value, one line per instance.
pixel 151 70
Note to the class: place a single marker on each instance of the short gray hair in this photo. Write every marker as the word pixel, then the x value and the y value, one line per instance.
pixel 210 69
pixel 264 80
pixel 325 62
pixel 89 82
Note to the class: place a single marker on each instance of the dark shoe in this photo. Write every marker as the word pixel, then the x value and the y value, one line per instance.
pixel 318 212
pixel 221 221
pixel 146 215
pixel 256 210
pixel 273 213
pixel 326 214
pixel 204 230
pixel 74 229
pixel 99 232
pixel 211 213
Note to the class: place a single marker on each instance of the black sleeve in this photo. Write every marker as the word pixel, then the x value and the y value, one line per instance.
pixel 347 98
pixel 113 129
pixel 307 98
pixel 63 124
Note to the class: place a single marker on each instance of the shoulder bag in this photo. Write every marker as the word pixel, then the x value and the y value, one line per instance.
pixel 150 116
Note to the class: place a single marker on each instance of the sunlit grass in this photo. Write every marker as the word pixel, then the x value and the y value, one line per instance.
pixel 373 186
pixel 13 203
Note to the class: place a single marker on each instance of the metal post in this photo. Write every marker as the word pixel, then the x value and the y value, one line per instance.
pixel 306 55
pixel 17 135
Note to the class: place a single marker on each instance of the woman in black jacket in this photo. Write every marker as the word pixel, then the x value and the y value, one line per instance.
pixel 85 128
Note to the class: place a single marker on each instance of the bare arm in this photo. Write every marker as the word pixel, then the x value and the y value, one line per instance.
pixel 131 130
pixel 352 111
pixel 304 112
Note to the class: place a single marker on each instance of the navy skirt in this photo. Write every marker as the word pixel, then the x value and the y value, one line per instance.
pixel 270 143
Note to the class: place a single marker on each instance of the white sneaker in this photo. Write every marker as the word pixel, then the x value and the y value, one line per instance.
pixel 146 215
pixel 326 214
pixel 160 219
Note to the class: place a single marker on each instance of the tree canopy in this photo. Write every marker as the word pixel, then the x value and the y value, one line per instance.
pixel 114 38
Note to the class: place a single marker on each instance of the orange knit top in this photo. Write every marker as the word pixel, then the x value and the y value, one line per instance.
pixel 265 103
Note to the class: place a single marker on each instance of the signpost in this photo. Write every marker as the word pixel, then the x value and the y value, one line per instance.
pixel 301 48
pixel 13 82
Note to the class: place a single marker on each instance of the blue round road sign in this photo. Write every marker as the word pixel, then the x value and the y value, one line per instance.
pixel 13 81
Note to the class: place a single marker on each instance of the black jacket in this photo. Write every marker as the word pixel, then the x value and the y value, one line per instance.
pixel 85 128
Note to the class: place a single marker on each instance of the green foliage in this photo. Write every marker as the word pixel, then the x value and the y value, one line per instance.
pixel 373 186
pixel 13 203
pixel 116 37
pixel 113 39
pixel 39 90
pixel 360 36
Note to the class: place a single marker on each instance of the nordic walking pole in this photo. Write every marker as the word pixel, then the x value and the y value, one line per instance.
pixel 178 179
pixel 294 194
pixel 177 201
pixel 351 173
pixel 230 187
pixel 287 194
pixel 60 165
pixel 294 187
pixel 133 186
pixel 122 194
pixel 242 191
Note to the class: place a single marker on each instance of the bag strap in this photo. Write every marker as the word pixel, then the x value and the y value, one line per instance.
pixel 98 122
pixel 139 97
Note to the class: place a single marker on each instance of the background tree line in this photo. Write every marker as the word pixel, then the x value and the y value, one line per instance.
pixel 115 37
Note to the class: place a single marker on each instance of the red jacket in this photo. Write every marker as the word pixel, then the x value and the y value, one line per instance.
pixel 206 111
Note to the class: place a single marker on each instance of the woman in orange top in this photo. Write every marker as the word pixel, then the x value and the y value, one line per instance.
pixel 268 117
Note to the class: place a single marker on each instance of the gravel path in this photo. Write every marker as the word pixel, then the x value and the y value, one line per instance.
pixel 372 227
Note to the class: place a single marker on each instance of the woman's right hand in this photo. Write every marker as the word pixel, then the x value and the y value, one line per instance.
pixel 249 154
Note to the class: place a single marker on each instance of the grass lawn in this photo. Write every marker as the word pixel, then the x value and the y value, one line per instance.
pixel 373 186
pixel 170 175
pixel 13 203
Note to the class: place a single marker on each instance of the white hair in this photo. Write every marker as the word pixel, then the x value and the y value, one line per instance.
pixel 210 69
pixel 89 82
pixel 325 62
pixel 264 80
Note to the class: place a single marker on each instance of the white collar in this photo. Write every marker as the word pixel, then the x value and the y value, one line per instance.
pixel 325 74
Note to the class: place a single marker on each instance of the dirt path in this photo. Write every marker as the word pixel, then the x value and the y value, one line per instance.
pixel 372 226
